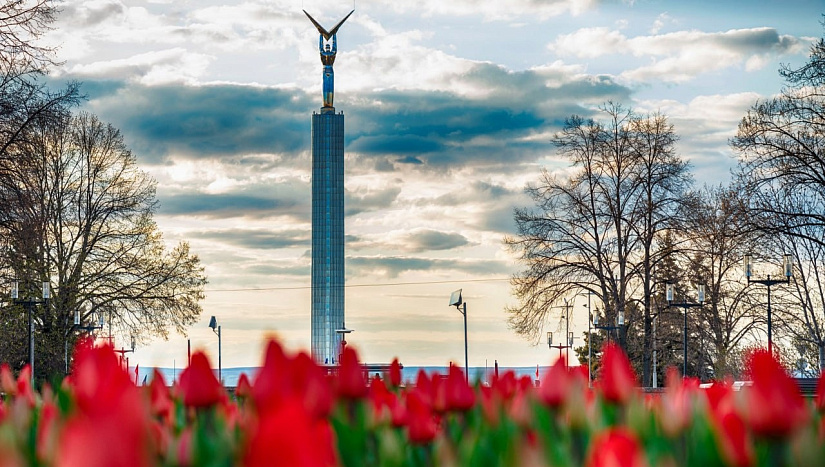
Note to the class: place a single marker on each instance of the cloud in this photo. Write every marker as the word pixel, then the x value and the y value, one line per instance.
pixel 679 56
pixel 257 239
pixel 496 11
pixel 393 266
pixel 366 199
pixel 152 68
pixel 223 205
pixel 430 240
pixel 206 121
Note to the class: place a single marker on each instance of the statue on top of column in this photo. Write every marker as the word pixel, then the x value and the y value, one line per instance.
pixel 328 56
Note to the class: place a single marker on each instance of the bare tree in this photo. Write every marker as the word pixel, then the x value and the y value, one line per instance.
pixel 597 229
pixel 717 240
pixel 662 179
pixel 23 97
pixel 81 217
pixel 781 141
pixel 801 314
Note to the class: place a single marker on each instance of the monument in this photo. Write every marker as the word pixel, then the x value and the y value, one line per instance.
pixel 327 211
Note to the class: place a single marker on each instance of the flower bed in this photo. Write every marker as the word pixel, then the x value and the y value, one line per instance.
pixel 294 414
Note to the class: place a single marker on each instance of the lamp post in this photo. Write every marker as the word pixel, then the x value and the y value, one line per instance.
pixel 29 304
pixel 589 341
pixel 216 328
pixel 567 330
pixel 123 353
pixel 619 324
pixel 461 306
pixel 77 325
pixel 684 306
pixel 787 267
pixel 560 346
pixel 342 333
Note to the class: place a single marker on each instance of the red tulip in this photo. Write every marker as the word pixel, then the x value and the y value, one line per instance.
pixel 395 373
pixel 7 383
pixel 775 406
pixel 421 426
pixel 184 449
pixel 618 380
pixel 160 400
pixel 556 385
pixel 47 432
pixel 505 385
pixel 244 389
pixel 111 426
pixel 616 447
pixel 24 386
pixel 424 386
pixel 289 435
pixel 460 396
pixel 732 438
pixel 198 383
pixel 720 397
pixel 350 379
pixel 489 404
pixel 270 384
pixel 310 381
pixel 380 397
pixel 678 402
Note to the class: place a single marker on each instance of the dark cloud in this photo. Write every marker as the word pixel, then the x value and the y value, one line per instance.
pixel 223 205
pixel 258 239
pixel 90 13
pixel 758 40
pixel 429 130
pixel 206 121
pixel 357 202
pixel 392 266
pixel 429 240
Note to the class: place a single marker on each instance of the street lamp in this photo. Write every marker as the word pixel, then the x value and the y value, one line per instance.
pixel 619 324
pixel 77 325
pixel 213 323
pixel 461 306
pixel 123 351
pixel 342 333
pixel 589 341
pixel 684 306
pixel 787 267
pixel 560 346
pixel 29 304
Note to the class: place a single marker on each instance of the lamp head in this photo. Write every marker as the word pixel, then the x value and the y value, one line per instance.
pixel 455 298
pixel 213 323
pixel 15 290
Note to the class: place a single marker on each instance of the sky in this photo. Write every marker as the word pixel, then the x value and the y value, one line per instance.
pixel 450 110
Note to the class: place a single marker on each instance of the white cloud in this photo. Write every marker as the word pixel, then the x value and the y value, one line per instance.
pixel 680 56
pixel 501 10
pixel 660 22
pixel 160 67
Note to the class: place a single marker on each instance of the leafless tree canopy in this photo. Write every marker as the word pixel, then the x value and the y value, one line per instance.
pixel 597 228
pixel 79 214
